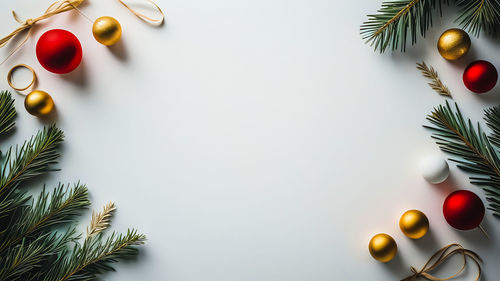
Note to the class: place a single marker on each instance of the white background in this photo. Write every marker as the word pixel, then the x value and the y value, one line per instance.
pixel 255 140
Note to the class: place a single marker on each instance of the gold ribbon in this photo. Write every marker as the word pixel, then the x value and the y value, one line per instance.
pixel 54 9
pixel 11 71
pixel 145 18
pixel 440 257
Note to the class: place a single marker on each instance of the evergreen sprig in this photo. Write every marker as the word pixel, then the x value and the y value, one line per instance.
pixel 53 209
pixel 470 148
pixel 33 243
pixel 397 20
pixel 479 15
pixel 7 112
pixel 95 256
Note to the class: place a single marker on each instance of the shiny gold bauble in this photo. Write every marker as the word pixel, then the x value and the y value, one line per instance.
pixel 453 44
pixel 39 103
pixel 107 30
pixel 414 224
pixel 382 247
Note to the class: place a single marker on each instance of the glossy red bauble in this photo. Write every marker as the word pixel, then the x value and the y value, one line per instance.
pixel 480 76
pixel 59 51
pixel 463 210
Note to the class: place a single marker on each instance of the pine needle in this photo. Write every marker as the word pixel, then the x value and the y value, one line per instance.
pixel 435 84
pixel 101 221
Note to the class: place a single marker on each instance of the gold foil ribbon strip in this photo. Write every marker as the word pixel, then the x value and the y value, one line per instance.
pixel 11 71
pixel 440 257
pixel 54 9
pixel 143 16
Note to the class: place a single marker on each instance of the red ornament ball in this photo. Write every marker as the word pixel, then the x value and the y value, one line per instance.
pixel 463 210
pixel 480 76
pixel 59 51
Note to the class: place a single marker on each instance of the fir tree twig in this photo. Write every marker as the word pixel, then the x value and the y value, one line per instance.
pixel 396 20
pixel 480 15
pixel 7 112
pixel 100 221
pixel 435 84
pixel 60 206
pixel 95 256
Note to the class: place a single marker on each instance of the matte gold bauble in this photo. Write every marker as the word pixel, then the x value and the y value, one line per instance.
pixel 382 247
pixel 39 103
pixel 453 44
pixel 107 30
pixel 414 224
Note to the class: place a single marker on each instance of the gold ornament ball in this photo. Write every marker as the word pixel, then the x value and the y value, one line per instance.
pixel 39 103
pixel 107 30
pixel 383 247
pixel 414 224
pixel 453 44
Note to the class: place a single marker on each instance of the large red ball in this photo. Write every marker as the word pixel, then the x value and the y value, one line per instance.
pixel 463 210
pixel 59 51
pixel 480 76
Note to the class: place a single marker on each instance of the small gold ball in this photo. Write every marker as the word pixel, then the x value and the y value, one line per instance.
pixel 107 30
pixel 453 44
pixel 382 247
pixel 414 224
pixel 39 103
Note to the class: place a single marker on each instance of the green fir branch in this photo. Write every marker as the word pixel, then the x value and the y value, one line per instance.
pixel 28 259
pixel 492 117
pixel 53 209
pixel 7 112
pixel 470 148
pixel 397 20
pixel 33 158
pixel 480 15
pixel 96 256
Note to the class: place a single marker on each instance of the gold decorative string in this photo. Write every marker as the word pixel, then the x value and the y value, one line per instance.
pixel 26 25
pixel 440 257
pixel 143 16
pixel 11 71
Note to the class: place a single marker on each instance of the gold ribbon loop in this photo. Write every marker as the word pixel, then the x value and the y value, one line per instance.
pixel 145 18
pixel 440 257
pixel 11 71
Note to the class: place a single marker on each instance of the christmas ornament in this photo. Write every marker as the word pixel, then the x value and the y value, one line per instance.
pixel 59 51
pixel 382 247
pixel 414 224
pixel 434 169
pixel 39 103
pixel 435 84
pixel 463 210
pixel 480 76
pixel 107 30
pixel 453 44
pixel 442 256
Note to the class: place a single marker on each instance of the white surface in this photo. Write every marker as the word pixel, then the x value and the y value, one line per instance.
pixel 255 140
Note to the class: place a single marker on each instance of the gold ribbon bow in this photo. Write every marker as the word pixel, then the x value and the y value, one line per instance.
pixel 440 257
pixel 54 9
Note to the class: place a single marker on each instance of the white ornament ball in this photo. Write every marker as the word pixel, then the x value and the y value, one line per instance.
pixel 434 169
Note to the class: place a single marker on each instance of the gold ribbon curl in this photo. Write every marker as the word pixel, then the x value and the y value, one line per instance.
pixel 143 17
pixel 440 257
pixel 54 9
